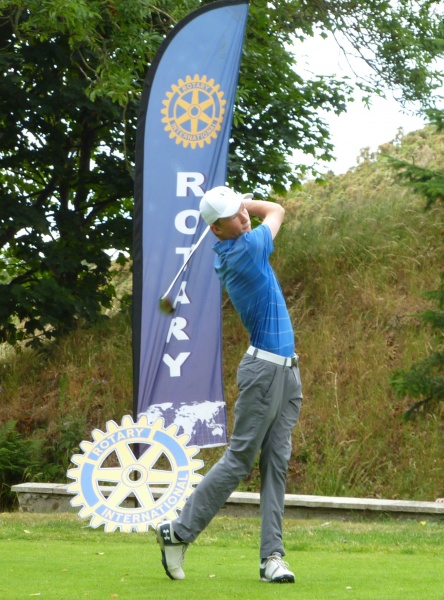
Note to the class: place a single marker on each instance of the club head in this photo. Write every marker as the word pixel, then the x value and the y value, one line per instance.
pixel 166 306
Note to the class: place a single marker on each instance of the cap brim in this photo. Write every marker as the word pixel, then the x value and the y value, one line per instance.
pixel 232 208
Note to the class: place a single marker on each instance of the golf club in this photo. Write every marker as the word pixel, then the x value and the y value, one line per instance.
pixel 165 303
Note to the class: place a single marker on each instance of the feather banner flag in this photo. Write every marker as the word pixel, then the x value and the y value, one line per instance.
pixel 182 150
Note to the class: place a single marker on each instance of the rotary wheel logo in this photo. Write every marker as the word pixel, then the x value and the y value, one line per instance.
pixel 194 111
pixel 118 490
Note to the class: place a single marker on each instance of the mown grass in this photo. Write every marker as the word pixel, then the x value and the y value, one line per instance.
pixel 58 557
pixel 353 259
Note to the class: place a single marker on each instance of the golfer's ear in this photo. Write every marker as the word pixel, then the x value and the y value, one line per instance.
pixel 215 229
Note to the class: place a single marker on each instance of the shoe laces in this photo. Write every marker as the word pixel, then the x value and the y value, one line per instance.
pixel 276 557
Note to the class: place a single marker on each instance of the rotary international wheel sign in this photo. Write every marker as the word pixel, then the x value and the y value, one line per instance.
pixel 194 111
pixel 133 476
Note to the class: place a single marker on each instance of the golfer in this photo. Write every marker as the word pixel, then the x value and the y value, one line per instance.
pixel 270 392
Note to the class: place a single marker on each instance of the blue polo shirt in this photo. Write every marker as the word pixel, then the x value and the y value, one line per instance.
pixel 243 269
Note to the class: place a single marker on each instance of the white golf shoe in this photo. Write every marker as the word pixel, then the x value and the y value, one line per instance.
pixel 172 550
pixel 275 570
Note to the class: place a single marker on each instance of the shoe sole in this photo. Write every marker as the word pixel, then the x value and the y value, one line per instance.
pixel 162 549
pixel 283 579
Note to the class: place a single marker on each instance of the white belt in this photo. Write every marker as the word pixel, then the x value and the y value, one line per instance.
pixel 284 361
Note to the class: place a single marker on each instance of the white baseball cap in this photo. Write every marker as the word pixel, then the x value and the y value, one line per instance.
pixel 220 202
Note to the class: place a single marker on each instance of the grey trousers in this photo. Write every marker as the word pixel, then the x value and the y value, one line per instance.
pixel 265 413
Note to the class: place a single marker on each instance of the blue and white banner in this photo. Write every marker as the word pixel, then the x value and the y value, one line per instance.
pixel 182 150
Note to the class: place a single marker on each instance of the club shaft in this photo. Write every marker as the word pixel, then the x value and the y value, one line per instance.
pixel 199 241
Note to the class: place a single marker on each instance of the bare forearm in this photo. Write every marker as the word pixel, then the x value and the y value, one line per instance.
pixel 262 208
pixel 272 214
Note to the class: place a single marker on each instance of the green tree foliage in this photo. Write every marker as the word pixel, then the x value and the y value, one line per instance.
pixel 72 72
pixel 67 68
pixel 397 40
pixel 425 380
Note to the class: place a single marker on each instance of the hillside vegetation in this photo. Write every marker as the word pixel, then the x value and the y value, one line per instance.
pixel 353 259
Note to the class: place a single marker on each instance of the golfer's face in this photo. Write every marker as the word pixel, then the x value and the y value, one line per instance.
pixel 230 228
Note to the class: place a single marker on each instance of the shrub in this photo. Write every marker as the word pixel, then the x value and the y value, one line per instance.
pixel 20 460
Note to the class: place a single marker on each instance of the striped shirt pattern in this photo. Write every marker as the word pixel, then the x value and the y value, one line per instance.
pixel 243 269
